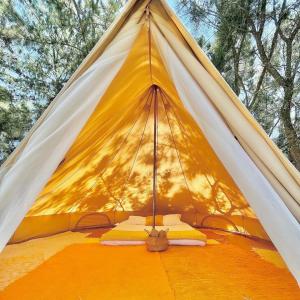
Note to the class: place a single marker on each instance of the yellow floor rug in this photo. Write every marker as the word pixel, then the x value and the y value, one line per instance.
pixel 226 271
pixel 91 271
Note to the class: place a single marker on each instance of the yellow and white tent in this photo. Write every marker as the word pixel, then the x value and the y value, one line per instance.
pixel 91 150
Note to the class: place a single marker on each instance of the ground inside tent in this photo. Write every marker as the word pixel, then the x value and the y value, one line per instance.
pixel 73 265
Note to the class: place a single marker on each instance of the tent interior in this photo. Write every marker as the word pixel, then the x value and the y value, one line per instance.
pixel 109 167
pixel 107 175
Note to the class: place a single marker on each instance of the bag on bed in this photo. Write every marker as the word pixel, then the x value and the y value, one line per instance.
pixel 157 240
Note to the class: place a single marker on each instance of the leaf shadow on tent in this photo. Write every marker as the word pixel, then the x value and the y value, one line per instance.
pixel 109 167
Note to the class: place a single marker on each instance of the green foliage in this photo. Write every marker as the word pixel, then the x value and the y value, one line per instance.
pixel 14 123
pixel 256 47
pixel 42 42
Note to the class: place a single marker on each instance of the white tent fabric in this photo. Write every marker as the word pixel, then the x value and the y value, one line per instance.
pixel 49 143
pixel 283 230
pixel 239 125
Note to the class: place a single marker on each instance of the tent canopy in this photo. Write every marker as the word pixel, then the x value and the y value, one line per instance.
pixel 92 149
pixel 109 166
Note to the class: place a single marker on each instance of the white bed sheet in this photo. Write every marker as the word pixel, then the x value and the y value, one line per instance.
pixel 171 242
pixel 124 226
pixel 130 227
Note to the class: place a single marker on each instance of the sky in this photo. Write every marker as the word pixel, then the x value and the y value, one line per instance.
pixel 204 30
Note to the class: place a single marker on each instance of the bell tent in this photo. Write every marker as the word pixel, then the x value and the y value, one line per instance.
pixel 91 151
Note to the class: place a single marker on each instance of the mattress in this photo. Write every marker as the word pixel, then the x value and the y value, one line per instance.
pixel 171 242
pixel 129 234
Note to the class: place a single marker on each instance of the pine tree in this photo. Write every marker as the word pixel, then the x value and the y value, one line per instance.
pixel 41 44
pixel 256 47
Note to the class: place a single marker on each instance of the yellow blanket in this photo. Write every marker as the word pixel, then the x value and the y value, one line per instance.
pixel 121 235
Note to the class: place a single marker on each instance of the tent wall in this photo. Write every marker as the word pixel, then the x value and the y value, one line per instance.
pixel 47 146
pixel 46 225
pixel 92 176
pixel 135 9
pixel 273 163
pixel 76 188
pixel 196 90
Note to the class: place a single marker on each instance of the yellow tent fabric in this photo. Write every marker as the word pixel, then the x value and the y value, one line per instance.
pixel 109 166
pixel 95 171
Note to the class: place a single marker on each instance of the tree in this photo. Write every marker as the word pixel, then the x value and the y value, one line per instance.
pixel 41 44
pixel 256 47
pixel 14 123
pixel 286 38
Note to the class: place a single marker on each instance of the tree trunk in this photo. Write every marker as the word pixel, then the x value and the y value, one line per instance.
pixel 236 86
pixel 289 130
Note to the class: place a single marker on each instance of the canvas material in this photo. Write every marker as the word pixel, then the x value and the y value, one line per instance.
pixel 49 143
pixel 92 176
pixel 278 172
pixel 285 230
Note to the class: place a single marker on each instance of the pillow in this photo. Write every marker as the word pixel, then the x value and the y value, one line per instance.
pixel 172 220
pixel 158 220
pixel 136 220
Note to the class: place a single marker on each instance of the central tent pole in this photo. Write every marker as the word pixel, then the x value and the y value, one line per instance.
pixel 155 123
pixel 155 132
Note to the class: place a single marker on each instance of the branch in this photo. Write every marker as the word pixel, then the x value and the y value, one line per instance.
pixel 77 8
pixel 280 18
pixel 258 86
pixel 244 89
pixel 263 55
pixel 262 18
pixel 295 31
pixel 274 126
